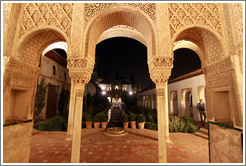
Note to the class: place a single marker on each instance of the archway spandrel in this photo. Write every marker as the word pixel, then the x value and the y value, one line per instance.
pixel 183 14
pixel 41 14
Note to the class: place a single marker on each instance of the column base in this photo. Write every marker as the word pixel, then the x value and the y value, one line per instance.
pixel 162 160
pixel 168 140
pixel 69 138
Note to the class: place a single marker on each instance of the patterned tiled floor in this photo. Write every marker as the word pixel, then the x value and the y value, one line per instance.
pixel 139 146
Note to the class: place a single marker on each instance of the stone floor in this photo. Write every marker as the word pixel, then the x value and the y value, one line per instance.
pixel 139 146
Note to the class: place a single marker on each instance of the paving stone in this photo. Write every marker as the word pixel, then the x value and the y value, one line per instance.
pixel 139 146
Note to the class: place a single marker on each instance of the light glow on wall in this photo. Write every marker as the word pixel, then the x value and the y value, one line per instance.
pixel 130 93
pixel 109 99
pixel 102 87
pixel 103 93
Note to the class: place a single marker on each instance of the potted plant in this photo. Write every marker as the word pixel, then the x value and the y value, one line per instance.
pixel 125 121
pixel 104 120
pixel 141 121
pixel 132 119
pixel 88 121
pixel 97 120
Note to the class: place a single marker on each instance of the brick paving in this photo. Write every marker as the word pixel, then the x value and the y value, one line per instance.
pixel 139 146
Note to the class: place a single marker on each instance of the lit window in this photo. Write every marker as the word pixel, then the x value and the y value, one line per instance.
pixel 124 88
pixel 109 88
pixel 116 87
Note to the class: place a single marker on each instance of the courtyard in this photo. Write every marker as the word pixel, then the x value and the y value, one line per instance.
pixel 51 147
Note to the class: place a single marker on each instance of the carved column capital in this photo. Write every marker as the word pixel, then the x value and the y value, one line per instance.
pixel 160 76
pixel 79 70
pixel 160 70
pixel 80 76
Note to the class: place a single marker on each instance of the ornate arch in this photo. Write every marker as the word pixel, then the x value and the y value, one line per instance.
pixel 119 15
pixel 31 45
pixel 208 40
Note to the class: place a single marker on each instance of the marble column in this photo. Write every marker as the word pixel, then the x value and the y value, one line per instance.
pixel 166 112
pixel 79 91
pixel 162 127
pixel 71 114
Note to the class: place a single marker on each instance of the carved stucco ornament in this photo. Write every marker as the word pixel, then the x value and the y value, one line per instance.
pixel 160 70
pixel 22 68
pixel 79 70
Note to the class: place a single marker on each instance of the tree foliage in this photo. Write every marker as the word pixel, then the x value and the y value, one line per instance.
pixel 40 97
pixel 63 101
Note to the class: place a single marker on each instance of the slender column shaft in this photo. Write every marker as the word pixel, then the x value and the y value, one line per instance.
pixel 75 155
pixel 166 112
pixel 71 114
pixel 161 125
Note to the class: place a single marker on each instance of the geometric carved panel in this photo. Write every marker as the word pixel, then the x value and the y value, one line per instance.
pixel 182 14
pixel 56 14
pixel 92 9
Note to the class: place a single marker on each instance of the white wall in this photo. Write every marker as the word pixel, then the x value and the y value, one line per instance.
pixel 191 83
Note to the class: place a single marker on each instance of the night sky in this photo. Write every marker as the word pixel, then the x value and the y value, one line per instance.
pixel 120 57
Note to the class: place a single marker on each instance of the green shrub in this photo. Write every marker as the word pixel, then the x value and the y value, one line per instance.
pixel 154 114
pixel 173 124
pixel 57 123
pixel 141 118
pixel 151 125
pixel 181 126
pixel 149 118
pixel 97 117
pixel 125 118
pixel 87 117
pixel 191 127
pixel 132 117
pixel 104 117
pixel 40 97
pixel 36 120
pixel 185 125
pixel 89 110
pixel 189 119
pixel 83 125
pixel 63 101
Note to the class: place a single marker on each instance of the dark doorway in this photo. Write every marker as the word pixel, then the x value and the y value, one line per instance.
pixel 51 101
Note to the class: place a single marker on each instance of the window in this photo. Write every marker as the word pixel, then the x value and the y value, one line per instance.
pixel 109 88
pixel 54 70
pixel 124 88
pixel 116 87
pixel 65 75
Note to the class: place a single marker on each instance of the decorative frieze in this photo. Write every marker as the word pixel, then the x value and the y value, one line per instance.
pixel 22 68
pixel 76 63
pixel 183 14
pixel 92 9
pixel 163 62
